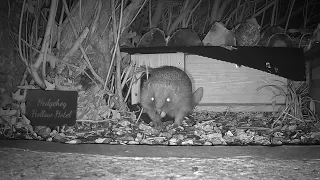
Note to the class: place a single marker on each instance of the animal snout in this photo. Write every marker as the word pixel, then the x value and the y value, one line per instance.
pixel 161 113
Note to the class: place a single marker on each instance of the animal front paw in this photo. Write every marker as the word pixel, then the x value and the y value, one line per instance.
pixel 157 122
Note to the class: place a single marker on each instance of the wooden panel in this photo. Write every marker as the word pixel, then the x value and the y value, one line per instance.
pixel 240 108
pixel 223 82
pixel 154 60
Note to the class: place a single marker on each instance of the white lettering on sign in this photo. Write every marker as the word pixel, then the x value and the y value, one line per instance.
pixel 50 104
pixel 45 114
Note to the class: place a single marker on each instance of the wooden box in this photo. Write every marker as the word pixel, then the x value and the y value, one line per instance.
pixel 226 86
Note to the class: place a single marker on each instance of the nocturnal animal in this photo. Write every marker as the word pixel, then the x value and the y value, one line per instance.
pixel 168 91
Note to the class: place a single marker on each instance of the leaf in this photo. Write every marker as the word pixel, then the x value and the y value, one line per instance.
pixel 13 120
pixel 23 108
pixel 100 140
pixel 312 106
pixel 74 141
pixel 101 92
pixel 27 87
pixel 95 89
pixel 16 96
pixel 31 9
pixel 6 100
pixel 29 128
pixel 7 112
pixel 49 85
pixel 115 114
pixel 25 120
pixel 19 125
pixel 52 60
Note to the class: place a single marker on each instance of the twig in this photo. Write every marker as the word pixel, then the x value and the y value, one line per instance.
pixel 190 14
pixel 116 35
pixel 96 19
pixel 81 47
pixel 135 16
pixel 287 23
pixel 52 14
pixel 60 29
pixel 126 75
pixel 139 115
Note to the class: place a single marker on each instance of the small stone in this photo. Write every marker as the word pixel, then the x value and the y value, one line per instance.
pixel 124 123
pixel 125 138
pixel 57 137
pixel 292 127
pixel 166 134
pixel 216 141
pixel 207 143
pixel 100 140
pixel 217 130
pixel 245 138
pixel 208 128
pixel 159 140
pixel 146 141
pixel 62 135
pixel 229 133
pixel 74 141
pixel 53 133
pixel 173 141
pixel 139 137
pixel 114 143
pixel 107 141
pixel 197 143
pixel 179 137
pixel 261 140
pixel 19 125
pixel 187 142
pixel 276 141
pixel 133 142
pixel 315 135
pixel 215 135
pixel 295 141
pixel 144 127
pixel 229 139
pixel 44 132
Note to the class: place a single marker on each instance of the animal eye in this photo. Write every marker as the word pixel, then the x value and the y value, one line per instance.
pixel 168 99
pixel 152 99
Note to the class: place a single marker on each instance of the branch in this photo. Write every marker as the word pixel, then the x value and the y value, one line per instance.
pixel 214 11
pixel 157 14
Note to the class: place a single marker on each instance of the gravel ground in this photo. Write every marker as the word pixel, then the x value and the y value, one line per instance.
pixel 25 164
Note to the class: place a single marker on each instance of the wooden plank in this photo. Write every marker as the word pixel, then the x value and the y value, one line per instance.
pixel 223 82
pixel 240 108
pixel 157 60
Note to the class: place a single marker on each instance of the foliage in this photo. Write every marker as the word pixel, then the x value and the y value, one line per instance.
pixel 36 28
pixel 200 15
pixel 299 106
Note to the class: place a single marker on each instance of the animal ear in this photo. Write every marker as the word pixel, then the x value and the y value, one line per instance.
pixel 197 95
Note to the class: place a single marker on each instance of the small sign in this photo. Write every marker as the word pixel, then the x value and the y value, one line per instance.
pixel 51 108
